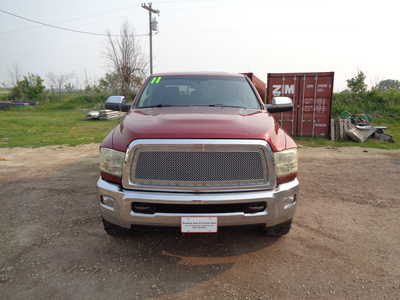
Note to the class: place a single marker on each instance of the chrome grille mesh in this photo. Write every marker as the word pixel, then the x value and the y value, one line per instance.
pixel 198 165
pixel 199 168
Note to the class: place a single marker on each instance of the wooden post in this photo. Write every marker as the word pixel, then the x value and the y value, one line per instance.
pixel 332 129
pixel 337 130
pixel 341 129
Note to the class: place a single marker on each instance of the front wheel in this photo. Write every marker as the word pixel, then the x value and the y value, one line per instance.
pixel 279 230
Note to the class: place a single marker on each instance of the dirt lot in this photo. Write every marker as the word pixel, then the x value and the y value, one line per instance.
pixel 345 242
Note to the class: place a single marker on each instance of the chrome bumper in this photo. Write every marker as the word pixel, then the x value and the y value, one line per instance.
pixel 281 205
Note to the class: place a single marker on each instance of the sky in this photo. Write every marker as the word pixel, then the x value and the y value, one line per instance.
pixel 209 35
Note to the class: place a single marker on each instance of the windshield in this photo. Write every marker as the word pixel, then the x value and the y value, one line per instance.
pixel 198 91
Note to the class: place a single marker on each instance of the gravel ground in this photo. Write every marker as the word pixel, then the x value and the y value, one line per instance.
pixel 345 242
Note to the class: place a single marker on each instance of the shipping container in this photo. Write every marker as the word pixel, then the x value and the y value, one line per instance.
pixel 311 94
pixel 258 84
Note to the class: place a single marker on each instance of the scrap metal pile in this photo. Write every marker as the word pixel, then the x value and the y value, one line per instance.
pixel 357 127
pixel 104 114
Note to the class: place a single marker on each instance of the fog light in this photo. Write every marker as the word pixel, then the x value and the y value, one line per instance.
pixel 255 208
pixel 107 201
pixel 143 208
pixel 289 201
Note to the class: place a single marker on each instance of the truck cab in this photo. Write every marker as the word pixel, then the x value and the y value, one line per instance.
pixel 198 151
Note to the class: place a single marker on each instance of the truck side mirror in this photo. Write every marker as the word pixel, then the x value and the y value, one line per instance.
pixel 280 104
pixel 117 103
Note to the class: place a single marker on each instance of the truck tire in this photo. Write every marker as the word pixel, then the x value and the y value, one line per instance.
pixel 279 230
pixel 114 230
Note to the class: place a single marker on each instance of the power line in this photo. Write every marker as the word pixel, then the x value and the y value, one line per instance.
pixel 67 21
pixel 61 28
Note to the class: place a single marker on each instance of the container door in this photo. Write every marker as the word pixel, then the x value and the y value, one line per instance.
pixel 315 97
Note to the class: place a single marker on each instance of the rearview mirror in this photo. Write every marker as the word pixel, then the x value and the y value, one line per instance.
pixel 117 103
pixel 280 104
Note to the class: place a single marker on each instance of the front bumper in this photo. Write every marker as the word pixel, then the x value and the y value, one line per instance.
pixel 281 205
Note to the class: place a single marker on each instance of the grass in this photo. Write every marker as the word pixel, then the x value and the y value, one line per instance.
pixel 393 125
pixel 36 126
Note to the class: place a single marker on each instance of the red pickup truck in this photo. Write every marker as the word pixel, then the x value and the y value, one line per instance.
pixel 198 151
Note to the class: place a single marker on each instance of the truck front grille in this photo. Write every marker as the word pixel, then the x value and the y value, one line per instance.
pixel 198 165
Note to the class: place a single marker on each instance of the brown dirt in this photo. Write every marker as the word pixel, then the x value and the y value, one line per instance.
pixel 345 242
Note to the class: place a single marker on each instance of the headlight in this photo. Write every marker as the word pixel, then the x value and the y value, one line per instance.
pixel 285 162
pixel 111 161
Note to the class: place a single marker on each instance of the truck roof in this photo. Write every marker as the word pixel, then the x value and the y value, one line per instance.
pixel 222 74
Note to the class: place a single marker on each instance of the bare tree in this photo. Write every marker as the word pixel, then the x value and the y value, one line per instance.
pixel 126 59
pixel 58 82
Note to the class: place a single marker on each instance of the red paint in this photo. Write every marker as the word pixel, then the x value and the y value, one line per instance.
pixel 312 98
pixel 198 123
pixel 286 178
pixel 108 140
pixel 111 178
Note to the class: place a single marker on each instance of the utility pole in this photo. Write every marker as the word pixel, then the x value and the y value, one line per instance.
pixel 156 11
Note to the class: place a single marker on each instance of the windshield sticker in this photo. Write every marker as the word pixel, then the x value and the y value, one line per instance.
pixel 155 80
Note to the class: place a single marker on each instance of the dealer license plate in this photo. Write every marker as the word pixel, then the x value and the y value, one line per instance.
pixel 199 224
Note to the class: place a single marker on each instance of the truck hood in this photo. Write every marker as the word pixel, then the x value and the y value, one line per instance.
pixel 198 123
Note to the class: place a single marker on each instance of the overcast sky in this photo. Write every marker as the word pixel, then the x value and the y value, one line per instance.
pixel 221 35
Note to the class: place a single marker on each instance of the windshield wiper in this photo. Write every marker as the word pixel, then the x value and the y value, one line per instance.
pixel 223 105
pixel 158 105
pixel 209 105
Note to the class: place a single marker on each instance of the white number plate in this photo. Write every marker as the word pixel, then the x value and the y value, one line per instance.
pixel 199 224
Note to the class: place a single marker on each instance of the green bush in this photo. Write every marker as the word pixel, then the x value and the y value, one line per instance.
pixel 68 101
pixel 78 100
pixel 377 103
pixel 4 96
pixel 30 87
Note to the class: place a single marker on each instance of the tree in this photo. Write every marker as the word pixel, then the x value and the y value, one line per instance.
pixel 357 84
pixel 58 82
pixel 30 87
pixel 388 84
pixel 126 60
pixel 111 83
